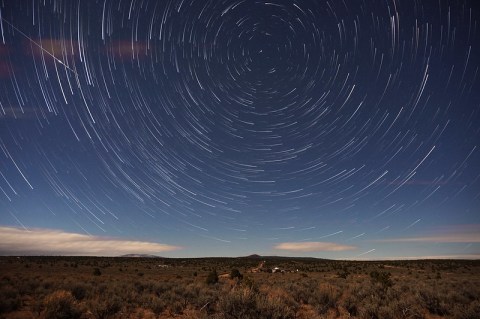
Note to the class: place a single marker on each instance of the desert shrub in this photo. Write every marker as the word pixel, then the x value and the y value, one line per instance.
pixel 350 305
pixel 235 273
pixel 96 272
pixel 368 302
pixel 433 302
pixel 212 277
pixel 407 306
pixel 387 311
pixel 47 285
pixel 171 298
pixel 27 286
pixel 381 278
pixel 369 309
pixel 105 308
pixel 79 291
pixel 471 311
pixel 101 289
pixel 246 303
pixel 238 304
pixel 301 291
pixel 273 308
pixel 60 305
pixel 249 283
pixel 204 296
pixel 462 294
pixel 191 294
pixel 9 300
pixel 160 288
pixel 140 287
pixel 324 298
pixel 177 307
pixel 157 305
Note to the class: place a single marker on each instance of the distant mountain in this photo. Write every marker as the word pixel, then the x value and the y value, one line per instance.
pixel 254 256
pixel 140 256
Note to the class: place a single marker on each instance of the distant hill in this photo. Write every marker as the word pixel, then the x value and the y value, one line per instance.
pixel 140 256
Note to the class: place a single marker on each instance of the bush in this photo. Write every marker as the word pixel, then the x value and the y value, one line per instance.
pixel 235 273
pixel 275 308
pixel 177 307
pixel 79 292
pixel 105 308
pixel 381 278
pixel 9 300
pixel 433 302
pixel 248 304
pixel 157 305
pixel 250 284
pixel 96 272
pixel 212 277
pixel 324 298
pixel 351 306
pixel 61 305
pixel 467 312
pixel 238 304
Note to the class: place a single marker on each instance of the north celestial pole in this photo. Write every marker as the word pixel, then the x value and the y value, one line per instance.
pixel 336 129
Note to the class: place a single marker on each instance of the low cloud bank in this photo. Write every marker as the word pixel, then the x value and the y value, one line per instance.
pixel 313 246
pixel 15 241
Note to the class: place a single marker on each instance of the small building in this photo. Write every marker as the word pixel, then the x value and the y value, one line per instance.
pixel 277 269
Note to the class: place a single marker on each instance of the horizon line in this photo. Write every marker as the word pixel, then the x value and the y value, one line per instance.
pixel 472 257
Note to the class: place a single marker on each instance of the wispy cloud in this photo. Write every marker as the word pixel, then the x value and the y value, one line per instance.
pixel 456 238
pixel 449 234
pixel 55 48
pixel 420 257
pixel 313 246
pixel 127 49
pixel 15 241
pixel 16 112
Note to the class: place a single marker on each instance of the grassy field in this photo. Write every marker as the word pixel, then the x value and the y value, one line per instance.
pixel 90 287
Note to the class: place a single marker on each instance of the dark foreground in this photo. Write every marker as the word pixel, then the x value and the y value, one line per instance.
pixel 88 287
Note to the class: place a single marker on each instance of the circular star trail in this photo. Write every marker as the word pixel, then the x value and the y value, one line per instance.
pixel 237 121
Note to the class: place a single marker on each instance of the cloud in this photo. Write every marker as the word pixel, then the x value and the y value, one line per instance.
pixel 464 256
pixel 449 234
pixel 127 49
pixel 15 112
pixel 312 246
pixel 420 257
pixel 15 241
pixel 459 238
pixel 59 49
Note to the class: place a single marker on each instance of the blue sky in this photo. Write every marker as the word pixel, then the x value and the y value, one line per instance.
pixel 202 128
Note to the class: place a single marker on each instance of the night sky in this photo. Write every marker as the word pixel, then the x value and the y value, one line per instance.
pixel 334 129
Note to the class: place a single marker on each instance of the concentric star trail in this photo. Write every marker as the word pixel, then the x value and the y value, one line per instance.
pixel 231 126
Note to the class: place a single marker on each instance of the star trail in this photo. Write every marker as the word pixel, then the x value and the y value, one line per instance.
pixel 336 129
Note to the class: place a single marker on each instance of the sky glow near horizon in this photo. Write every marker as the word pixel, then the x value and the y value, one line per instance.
pixel 187 128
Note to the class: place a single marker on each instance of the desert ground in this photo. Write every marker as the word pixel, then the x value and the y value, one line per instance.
pixel 248 287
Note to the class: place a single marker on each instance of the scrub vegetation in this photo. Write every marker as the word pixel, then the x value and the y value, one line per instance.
pixel 236 288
